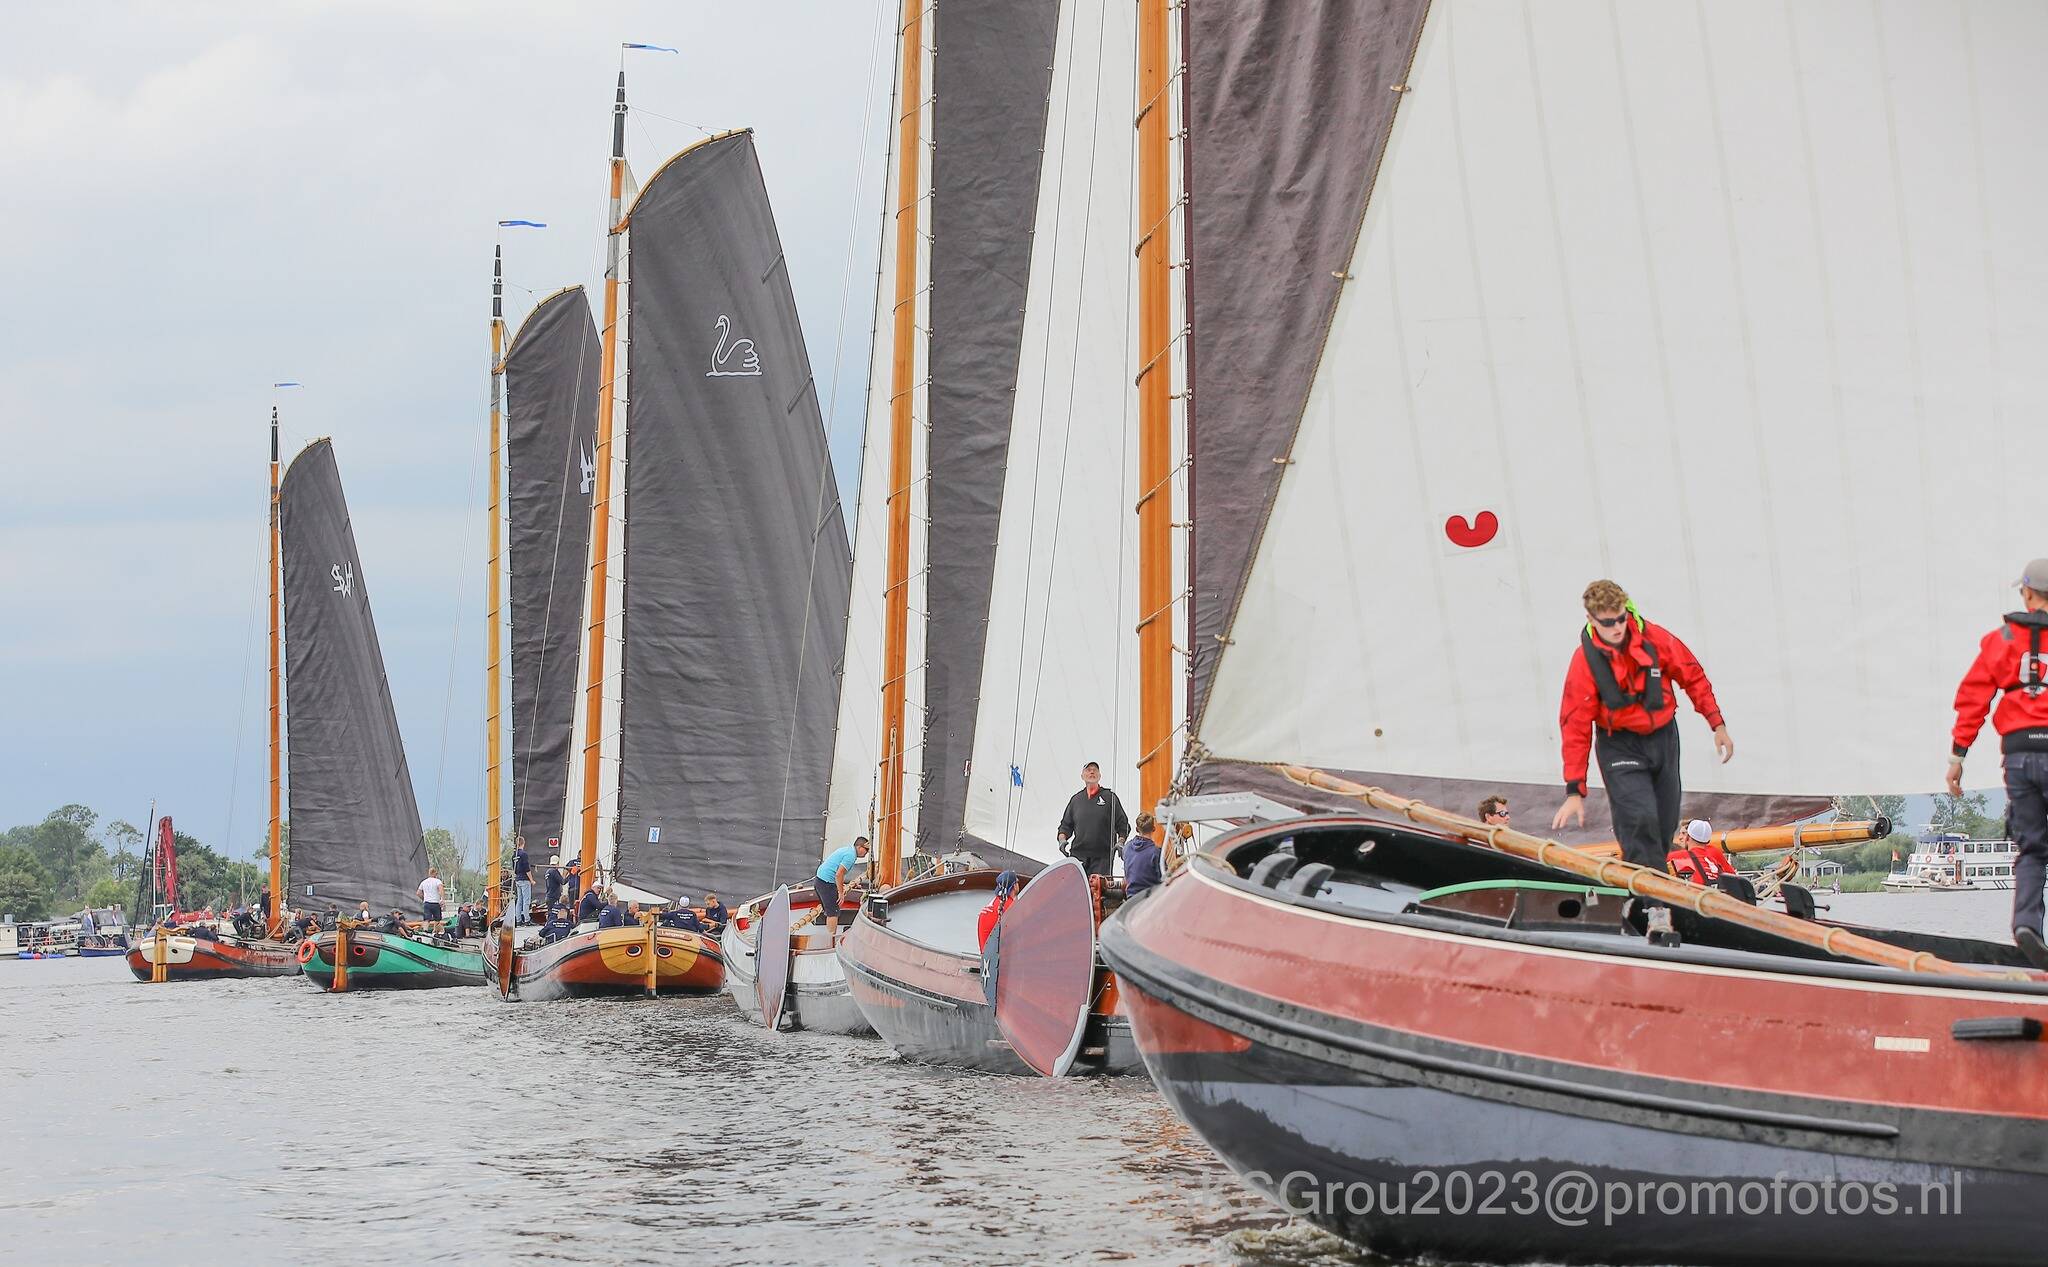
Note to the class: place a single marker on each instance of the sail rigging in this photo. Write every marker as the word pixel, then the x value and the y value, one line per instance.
pixel 551 372
pixel 1059 680
pixel 736 586
pixel 354 822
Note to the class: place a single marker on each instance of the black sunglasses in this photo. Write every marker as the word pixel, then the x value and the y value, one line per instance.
pixel 1609 622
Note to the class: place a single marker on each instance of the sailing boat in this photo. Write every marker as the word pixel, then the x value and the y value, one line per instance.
pixel 731 621
pixel 1018 670
pixel 550 371
pixel 162 955
pixel 1506 342
pixel 355 825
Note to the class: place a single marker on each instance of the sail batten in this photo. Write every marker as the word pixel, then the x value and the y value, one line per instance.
pixel 355 826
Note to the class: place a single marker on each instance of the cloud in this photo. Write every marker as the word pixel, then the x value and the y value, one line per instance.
pixel 209 197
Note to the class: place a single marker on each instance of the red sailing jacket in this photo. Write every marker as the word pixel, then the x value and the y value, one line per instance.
pixel 2022 716
pixel 1582 709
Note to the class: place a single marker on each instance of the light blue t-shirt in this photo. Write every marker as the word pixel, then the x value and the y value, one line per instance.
pixel 844 856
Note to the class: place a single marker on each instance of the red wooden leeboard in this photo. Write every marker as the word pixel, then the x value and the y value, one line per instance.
pixel 1046 976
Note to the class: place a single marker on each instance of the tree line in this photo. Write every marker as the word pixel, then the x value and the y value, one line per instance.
pixel 72 859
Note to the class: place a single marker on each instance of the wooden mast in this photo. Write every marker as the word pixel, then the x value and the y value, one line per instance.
pixel 600 508
pixel 1155 406
pixel 493 600
pixel 277 903
pixel 902 367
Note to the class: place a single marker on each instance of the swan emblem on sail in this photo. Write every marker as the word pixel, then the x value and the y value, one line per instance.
pixel 733 358
pixel 344 582
pixel 589 461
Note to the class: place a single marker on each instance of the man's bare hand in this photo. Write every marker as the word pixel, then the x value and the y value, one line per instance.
pixel 1955 776
pixel 1572 811
pixel 1724 747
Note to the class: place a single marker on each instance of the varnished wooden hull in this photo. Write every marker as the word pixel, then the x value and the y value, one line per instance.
pixel 203 959
pixel 609 961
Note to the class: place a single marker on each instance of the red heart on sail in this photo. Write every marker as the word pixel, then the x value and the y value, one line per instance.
pixel 1472 534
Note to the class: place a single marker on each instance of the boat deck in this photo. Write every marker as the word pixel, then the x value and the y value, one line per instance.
pixel 942 921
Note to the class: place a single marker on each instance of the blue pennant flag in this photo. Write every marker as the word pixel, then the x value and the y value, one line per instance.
pixel 287 384
pixel 522 224
pixel 1016 777
pixel 651 48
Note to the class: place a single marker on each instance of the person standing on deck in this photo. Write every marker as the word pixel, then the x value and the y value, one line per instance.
pixel 522 881
pixel 2009 668
pixel 1142 870
pixel 430 896
pixel 1093 824
pixel 1622 685
pixel 839 868
pixel 554 881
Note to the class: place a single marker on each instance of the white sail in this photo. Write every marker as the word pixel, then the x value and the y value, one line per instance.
pixel 851 807
pixel 1059 682
pixel 614 610
pixel 1732 303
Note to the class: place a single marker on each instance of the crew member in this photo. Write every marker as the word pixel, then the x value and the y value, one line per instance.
pixel 992 914
pixel 592 903
pixel 1141 857
pixel 522 881
pixel 554 881
pixel 2009 668
pixel 1493 811
pixel 840 867
pixel 1623 683
pixel 681 916
pixel 1093 823
pixel 715 915
pixel 430 896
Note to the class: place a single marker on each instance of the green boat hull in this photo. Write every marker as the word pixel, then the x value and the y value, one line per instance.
pixel 386 961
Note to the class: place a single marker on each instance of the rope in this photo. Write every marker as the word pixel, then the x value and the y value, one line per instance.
pixel 825 469
pixel 1011 806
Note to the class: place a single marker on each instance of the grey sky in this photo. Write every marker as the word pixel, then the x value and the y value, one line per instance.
pixel 207 197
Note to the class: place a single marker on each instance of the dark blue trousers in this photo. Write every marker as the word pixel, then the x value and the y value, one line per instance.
pixel 2026 794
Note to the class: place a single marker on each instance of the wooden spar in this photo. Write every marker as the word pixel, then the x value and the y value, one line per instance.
pixel 601 500
pixel 1155 407
pixel 277 903
pixel 342 928
pixel 902 365
pixel 1752 839
pixel 493 599
pixel 1642 881
pixel 159 955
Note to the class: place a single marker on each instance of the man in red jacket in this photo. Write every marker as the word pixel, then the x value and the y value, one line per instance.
pixel 1622 683
pixel 2009 668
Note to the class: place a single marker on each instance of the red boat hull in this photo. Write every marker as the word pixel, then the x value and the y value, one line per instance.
pixel 610 961
pixel 201 959
pixel 1349 1053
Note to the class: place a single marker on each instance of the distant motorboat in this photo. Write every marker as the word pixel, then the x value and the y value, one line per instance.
pixel 1953 862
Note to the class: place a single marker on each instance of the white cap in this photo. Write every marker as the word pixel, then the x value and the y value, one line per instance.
pixel 1700 831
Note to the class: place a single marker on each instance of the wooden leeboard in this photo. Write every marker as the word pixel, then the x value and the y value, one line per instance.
pixel 771 957
pixel 1047 976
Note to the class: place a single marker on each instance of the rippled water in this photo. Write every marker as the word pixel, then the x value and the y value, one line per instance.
pixel 443 1125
